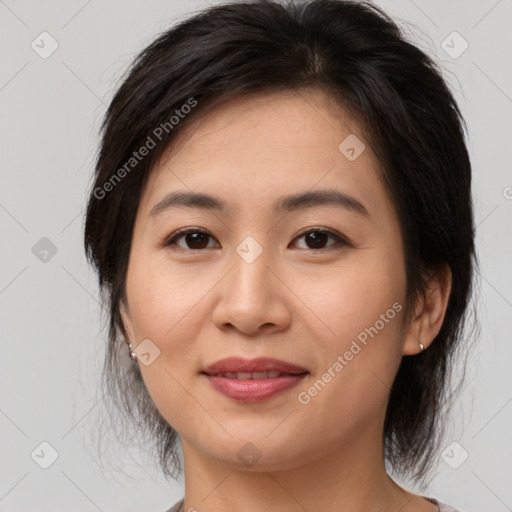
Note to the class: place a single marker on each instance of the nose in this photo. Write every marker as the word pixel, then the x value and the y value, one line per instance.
pixel 251 299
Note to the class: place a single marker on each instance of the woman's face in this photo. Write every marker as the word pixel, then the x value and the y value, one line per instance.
pixel 269 282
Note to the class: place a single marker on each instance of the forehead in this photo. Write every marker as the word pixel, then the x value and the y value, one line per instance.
pixel 280 121
pixel 256 146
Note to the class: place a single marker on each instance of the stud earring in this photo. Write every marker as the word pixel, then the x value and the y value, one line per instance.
pixel 421 347
pixel 132 354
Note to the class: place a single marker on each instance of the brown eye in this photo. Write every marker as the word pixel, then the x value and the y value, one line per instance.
pixel 317 239
pixel 196 240
pixel 193 239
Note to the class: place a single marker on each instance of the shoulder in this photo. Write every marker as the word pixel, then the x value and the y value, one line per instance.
pixel 443 507
pixel 177 507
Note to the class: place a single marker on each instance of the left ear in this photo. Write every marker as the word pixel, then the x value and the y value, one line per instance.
pixel 126 320
pixel 429 312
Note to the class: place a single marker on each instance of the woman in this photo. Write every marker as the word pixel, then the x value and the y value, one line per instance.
pixel 282 225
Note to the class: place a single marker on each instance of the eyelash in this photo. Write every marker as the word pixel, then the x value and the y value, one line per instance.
pixel 170 241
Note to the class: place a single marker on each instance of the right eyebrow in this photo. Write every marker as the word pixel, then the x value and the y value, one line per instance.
pixel 189 200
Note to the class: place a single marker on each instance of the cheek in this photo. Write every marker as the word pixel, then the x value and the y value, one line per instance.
pixel 166 307
pixel 358 322
pixel 357 329
pixel 352 297
pixel 163 300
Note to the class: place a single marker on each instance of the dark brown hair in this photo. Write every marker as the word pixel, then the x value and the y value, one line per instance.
pixel 357 54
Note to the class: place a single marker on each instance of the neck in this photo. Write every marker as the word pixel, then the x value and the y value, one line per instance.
pixel 351 478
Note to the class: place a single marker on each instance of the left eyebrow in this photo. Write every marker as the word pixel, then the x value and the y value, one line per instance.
pixel 283 204
pixel 319 198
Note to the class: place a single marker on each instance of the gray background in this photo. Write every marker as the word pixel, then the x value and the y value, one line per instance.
pixel 51 330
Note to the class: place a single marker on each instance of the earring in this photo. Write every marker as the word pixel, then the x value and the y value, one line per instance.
pixel 132 354
pixel 421 347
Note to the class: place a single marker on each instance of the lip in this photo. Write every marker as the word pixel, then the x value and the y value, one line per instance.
pixel 260 364
pixel 253 390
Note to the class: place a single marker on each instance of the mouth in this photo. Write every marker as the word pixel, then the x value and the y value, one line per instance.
pixel 260 365
pixel 250 375
pixel 253 380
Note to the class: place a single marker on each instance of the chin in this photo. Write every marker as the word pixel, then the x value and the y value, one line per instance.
pixel 254 449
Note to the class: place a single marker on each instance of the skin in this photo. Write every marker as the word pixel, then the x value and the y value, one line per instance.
pixel 291 303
